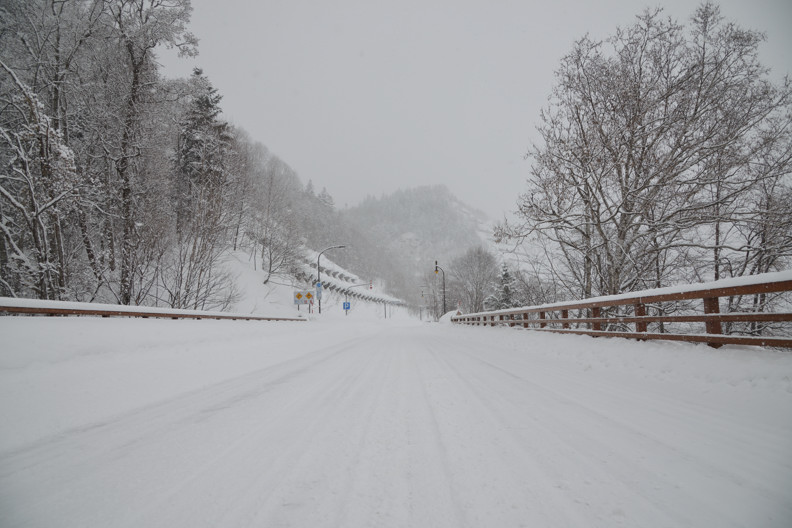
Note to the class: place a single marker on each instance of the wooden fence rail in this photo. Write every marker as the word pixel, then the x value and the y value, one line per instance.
pixel 591 321
pixel 51 308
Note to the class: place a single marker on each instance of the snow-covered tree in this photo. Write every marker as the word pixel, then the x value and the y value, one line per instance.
pixel 204 217
pixel 473 277
pixel 38 182
pixel 506 295
pixel 203 157
pixel 654 147
pixel 274 226
pixel 139 26
pixel 325 198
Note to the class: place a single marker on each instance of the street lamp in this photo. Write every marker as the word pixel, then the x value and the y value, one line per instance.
pixel 444 291
pixel 346 299
pixel 319 273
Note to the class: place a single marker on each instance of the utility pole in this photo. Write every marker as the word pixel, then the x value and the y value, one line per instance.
pixel 319 275
pixel 444 290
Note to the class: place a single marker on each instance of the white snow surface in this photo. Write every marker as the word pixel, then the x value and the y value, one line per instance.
pixel 354 421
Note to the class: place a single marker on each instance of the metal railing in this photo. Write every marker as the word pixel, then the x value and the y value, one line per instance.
pixel 57 308
pixel 592 317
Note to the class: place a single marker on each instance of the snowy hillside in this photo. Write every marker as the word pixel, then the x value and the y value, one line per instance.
pixel 276 298
pixel 421 224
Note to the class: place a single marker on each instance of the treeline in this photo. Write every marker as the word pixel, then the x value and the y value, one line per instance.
pixel 480 280
pixel 119 185
pixel 665 158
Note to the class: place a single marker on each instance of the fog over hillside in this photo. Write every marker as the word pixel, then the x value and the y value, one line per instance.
pixel 419 225
pixel 396 238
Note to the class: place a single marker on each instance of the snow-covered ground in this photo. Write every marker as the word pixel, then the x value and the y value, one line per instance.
pixel 360 421
pixel 275 299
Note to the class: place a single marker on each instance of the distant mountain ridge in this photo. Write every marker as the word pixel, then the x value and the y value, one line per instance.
pixel 419 225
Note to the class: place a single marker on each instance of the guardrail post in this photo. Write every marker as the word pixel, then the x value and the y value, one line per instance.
pixel 646 312
pixel 596 312
pixel 640 311
pixel 712 306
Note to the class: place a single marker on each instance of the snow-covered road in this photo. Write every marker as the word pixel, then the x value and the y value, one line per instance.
pixel 384 424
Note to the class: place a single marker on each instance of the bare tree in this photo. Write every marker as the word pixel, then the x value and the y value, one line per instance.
pixel 38 180
pixel 140 26
pixel 474 277
pixel 651 145
pixel 273 227
pixel 204 216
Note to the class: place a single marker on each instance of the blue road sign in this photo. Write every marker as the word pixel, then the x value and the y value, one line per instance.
pixel 346 306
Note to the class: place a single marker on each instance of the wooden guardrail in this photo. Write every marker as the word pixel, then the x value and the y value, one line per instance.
pixel 592 317
pixel 61 308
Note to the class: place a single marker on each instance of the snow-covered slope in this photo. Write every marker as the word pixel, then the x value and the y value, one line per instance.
pixel 276 298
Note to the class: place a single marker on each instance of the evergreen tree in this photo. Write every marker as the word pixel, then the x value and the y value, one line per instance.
pixel 203 152
pixel 506 294
pixel 203 214
pixel 326 199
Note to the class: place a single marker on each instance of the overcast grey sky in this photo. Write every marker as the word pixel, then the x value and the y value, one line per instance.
pixel 368 96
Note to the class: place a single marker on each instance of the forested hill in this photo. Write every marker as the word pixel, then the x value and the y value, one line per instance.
pixel 396 238
pixel 422 224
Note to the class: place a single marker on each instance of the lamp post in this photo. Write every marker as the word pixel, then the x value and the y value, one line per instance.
pixel 355 286
pixel 444 290
pixel 319 273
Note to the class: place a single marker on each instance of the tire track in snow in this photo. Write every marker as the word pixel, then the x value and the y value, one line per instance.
pixel 702 491
pixel 253 486
pixel 355 479
pixel 711 473
pixel 53 472
pixel 323 468
pixel 441 443
pixel 755 446
pixel 510 476
pixel 545 443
